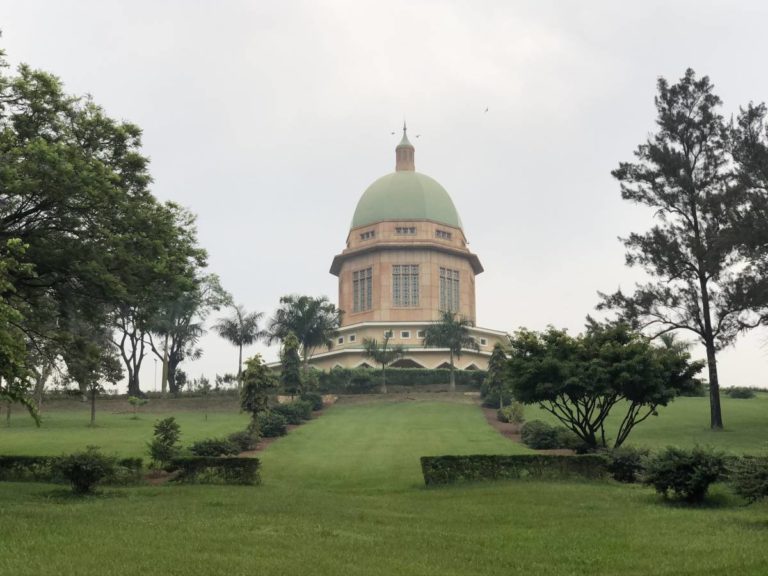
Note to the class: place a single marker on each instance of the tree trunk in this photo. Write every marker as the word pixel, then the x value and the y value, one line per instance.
pixel 164 376
pixel 715 414
pixel 133 384
pixel 8 414
pixel 240 369
pixel 453 377
pixel 93 407
pixel 501 400
pixel 383 378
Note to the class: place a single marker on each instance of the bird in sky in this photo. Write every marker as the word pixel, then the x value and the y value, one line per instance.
pixel 486 109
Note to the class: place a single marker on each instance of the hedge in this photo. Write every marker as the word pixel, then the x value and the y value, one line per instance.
pixel 439 470
pixel 211 470
pixel 367 380
pixel 43 469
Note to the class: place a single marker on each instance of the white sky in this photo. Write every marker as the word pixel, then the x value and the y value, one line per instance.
pixel 269 120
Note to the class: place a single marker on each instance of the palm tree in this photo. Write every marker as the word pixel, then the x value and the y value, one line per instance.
pixel 382 355
pixel 451 332
pixel 314 321
pixel 241 329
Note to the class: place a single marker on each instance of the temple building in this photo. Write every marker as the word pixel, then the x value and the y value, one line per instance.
pixel 406 261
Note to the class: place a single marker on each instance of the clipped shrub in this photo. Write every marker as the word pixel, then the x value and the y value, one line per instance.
pixel 451 469
pixel 626 464
pixel 271 424
pixel 164 445
pixel 749 477
pixel 27 468
pixel 213 447
pixel 740 392
pixel 85 470
pixel 542 436
pixel 244 440
pixel 46 469
pixel 687 474
pixel 340 380
pixel 211 470
pixel 294 412
pixel 512 414
pixel 539 435
pixel 314 399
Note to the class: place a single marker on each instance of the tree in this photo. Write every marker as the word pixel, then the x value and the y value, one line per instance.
pixel 99 249
pixel 259 383
pixel 496 379
pixel 750 154
pixel 314 321
pixel 581 379
pixel 383 355
pixel 180 325
pixel 290 373
pixel 451 332
pixel 91 362
pixel 240 329
pixel 699 276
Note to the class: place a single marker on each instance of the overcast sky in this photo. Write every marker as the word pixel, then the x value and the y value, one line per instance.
pixel 269 120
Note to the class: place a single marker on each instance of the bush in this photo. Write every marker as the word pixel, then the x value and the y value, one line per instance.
pixel 740 392
pixel 492 400
pixel 685 473
pixel 541 436
pixel 314 399
pixel 450 469
pixel 245 440
pixel 271 424
pixel 340 380
pixel 209 470
pixel 627 464
pixel 164 444
pixel 294 412
pixel 512 414
pixel 46 469
pixel 213 447
pixel 85 470
pixel 749 477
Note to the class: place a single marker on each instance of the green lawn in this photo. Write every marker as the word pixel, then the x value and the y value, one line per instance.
pixel 685 423
pixel 343 495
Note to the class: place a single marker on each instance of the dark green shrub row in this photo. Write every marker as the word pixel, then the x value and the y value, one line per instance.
pixel 686 474
pixel 294 412
pixel 627 464
pixel 451 469
pixel 512 414
pixel 740 392
pixel 213 447
pixel 749 477
pixel 208 470
pixel 366 380
pixel 542 436
pixel 244 440
pixel 315 400
pixel 45 469
pixel 271 424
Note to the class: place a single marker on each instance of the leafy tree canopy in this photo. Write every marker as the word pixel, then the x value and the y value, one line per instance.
pixel 581 379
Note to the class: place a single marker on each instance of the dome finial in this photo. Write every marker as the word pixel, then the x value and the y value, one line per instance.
pixel 404 153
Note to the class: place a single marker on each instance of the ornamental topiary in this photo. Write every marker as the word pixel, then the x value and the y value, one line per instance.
pixel 85 470
pixel 213 447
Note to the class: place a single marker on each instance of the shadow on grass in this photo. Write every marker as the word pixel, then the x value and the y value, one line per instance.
pixel 64 495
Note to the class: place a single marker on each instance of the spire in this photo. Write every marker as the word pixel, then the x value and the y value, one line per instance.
pixel 404 153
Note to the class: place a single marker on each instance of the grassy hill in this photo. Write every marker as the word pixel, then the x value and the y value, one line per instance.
pixel 343 495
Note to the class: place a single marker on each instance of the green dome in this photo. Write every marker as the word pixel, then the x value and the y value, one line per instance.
pixel 405 195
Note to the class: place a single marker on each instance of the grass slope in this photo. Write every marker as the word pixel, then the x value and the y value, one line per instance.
pixel 343 495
